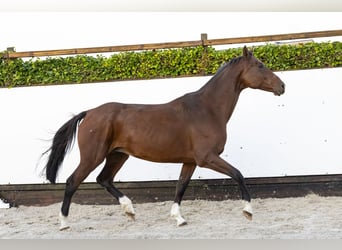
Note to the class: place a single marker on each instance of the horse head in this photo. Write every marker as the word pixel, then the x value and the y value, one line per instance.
pixel 257 76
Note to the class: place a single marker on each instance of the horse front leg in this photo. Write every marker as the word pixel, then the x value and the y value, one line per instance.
pixel 184 179
pixel 214 162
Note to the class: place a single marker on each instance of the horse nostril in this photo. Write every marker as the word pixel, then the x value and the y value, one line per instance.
pixel 281 89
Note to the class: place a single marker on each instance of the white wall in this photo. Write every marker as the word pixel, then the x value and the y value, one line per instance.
pixel 298 133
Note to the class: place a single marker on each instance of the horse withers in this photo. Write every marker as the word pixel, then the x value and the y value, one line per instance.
pixel 190 130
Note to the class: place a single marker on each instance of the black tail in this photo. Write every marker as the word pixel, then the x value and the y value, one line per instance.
pixel 60 145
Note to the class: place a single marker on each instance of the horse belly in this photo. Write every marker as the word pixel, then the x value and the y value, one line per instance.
pixel 156 133
pixel 158 145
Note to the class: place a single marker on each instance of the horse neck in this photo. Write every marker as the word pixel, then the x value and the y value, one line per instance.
pixel 222 92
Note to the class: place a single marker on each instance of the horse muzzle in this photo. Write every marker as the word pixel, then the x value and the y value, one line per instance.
pixel 280 90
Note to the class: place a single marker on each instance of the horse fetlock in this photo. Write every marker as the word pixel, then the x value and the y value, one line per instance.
pixel 64 222
pixel 248 211
pixel 175 214
pixel 127 206
pixel 181 222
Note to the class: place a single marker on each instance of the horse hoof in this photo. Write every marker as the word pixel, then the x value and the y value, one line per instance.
pixel 248 215
pixel 127 206
pixel 131 216
pixel 248 211
pixel 64 222
pixel 63 228
pixel 181 223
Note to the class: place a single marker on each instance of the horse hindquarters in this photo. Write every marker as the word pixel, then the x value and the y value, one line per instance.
pixel 93 146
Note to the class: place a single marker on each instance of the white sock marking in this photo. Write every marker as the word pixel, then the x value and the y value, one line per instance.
pixel 126 205
pixel 248 208
pixel 64 222
pixel 176 214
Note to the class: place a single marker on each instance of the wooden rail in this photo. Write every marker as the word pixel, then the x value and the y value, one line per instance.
pixel 10 54
pixel 151 191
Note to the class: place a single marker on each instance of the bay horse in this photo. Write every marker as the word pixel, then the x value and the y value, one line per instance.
pixel 190 130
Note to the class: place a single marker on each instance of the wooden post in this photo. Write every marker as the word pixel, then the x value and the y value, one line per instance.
pixel 11 49
pixel 204 39
pixel 5 55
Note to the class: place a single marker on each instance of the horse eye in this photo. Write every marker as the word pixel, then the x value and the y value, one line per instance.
pixel 260 66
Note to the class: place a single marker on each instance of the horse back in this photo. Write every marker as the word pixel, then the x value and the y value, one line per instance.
pixel 157 133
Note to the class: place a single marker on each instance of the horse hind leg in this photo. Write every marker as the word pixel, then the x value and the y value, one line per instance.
pixel 184 179
pixel 72 183
pixel 114 162
pixel 90 159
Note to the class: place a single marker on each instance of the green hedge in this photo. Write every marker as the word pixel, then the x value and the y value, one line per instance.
pixel 161 64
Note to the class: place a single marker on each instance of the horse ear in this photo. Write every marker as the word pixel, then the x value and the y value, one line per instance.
pixel 245 51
